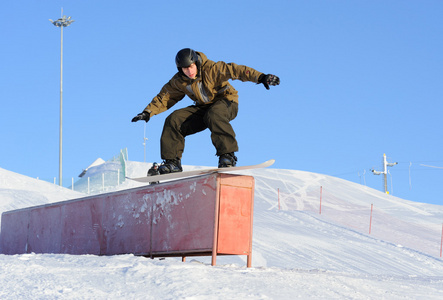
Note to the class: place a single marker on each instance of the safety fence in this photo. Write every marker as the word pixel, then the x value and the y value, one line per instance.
pixel 103 177
pixel 378 218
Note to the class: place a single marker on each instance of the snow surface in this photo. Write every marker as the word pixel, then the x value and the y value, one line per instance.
pixel 297 251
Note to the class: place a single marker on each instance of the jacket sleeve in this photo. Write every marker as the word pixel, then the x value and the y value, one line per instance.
pixel 169 95
pixel 224 71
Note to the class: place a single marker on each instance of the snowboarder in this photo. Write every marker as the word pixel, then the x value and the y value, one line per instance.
pixel 215 105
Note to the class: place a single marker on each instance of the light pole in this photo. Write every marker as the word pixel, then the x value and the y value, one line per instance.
pixel 62 22
pixel 144 141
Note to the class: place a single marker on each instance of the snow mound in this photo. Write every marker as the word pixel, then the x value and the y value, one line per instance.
pixel 19 191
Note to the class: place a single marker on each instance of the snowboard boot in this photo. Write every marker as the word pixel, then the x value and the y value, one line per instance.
pixel 153 170
pixel 170 166
pixel 227 160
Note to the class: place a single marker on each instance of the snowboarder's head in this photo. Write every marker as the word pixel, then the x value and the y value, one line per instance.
pixel 188 62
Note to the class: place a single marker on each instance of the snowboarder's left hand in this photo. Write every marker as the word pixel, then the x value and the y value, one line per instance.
pixel 141 116
pixel 268 80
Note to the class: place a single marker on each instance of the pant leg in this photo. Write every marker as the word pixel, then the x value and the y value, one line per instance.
pixel 217 119
pixel 178 125
pixel 193 119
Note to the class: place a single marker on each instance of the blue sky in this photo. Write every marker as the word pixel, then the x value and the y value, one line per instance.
pixel 358 79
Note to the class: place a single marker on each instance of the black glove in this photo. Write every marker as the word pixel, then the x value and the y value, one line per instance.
pixel 268 80
pixel 141 116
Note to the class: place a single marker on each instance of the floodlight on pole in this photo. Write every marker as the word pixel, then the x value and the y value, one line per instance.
pixel 62 22
pixel 384 172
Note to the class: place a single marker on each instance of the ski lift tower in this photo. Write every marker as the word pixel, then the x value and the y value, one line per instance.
pixel 384 172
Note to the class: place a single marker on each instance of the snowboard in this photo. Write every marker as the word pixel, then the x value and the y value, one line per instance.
pixel 178 175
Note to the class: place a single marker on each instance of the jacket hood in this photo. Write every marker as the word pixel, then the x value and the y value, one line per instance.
pixel 202 57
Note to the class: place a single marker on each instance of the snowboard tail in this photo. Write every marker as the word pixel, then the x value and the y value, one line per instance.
pixel 178 175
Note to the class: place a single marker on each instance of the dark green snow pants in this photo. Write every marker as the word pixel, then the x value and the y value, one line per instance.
pixel 193 119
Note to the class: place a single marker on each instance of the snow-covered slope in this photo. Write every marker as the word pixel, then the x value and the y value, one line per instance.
pixel 297 252
pixel 19 191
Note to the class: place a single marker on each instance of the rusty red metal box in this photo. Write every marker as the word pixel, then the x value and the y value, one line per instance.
pixel 205 215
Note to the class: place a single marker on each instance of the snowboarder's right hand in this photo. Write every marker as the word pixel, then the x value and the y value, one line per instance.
pixel 141 116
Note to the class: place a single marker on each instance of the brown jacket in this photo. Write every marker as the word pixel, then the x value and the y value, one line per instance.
pixel 210 85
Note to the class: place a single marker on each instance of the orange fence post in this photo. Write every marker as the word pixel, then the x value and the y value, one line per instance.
pixel 321 191
pixel 441 242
